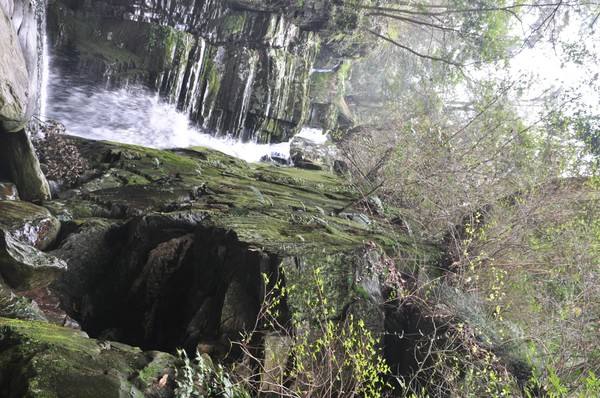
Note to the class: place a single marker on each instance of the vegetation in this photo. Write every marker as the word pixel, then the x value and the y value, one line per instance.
pixel 512 196
pixel 459 256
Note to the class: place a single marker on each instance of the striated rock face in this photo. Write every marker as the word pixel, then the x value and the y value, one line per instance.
pixel 20 81
pixel 232 68
pixel 241 68
pixel 20 72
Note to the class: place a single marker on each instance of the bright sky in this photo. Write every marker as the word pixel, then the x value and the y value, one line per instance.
pixel 544 63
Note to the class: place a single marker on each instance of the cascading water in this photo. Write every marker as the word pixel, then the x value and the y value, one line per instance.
pixel 45 75
pixel 135 115
pixel 43 68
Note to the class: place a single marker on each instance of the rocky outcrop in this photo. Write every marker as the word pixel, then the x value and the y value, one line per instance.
pixel 20 74
pixel 20 80
pixel 169 249
pixel 195 232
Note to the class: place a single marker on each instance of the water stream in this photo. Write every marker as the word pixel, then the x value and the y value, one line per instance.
pixel 135 115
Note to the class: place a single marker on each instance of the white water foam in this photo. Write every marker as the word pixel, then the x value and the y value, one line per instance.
pixel 137 116
pixel 45 72
pixel 314 135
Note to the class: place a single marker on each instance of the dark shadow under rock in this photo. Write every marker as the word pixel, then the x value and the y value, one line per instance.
pixel 162 282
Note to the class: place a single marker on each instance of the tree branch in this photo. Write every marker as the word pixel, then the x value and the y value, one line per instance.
pixel 418 54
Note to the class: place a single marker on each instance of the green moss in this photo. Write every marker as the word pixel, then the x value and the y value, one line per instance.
pixel 44 360
pixel 285 210
pixel 160 364
pixel 212 79
pixel 233 23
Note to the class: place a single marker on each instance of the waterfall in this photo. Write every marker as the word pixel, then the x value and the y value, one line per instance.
pixel 136 115
pixel 45 75
pixel 43 62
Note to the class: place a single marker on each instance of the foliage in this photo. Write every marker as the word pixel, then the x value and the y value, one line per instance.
pixel 511 195
pixel 325 357
pixel 201 378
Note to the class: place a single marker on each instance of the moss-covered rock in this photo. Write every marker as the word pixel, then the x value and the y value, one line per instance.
pixel 168 249
pixel 194 232
pixel 38 359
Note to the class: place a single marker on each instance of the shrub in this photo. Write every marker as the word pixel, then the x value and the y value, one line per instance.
pixel 202 378
pixel 326 356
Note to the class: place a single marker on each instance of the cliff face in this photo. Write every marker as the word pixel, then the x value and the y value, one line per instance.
pixel 20 81
pixel 235 67
pixel 20 74
pixel 167 249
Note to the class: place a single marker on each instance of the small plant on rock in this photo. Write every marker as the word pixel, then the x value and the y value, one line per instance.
pixel 201 378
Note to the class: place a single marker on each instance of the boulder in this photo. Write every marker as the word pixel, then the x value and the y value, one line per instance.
pixel 18 158
pixel 24 267
pixel 309 154
pixel 43 360
pixel 30 224
pixel 14 78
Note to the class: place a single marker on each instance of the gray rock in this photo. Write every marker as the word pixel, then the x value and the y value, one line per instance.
pixel 307 154
pixel 24 267
pixel 26 19
pixel 32 225
pixel 376 205
pixel 19 87
pixel 357 217
pixel 14 78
